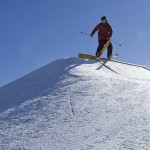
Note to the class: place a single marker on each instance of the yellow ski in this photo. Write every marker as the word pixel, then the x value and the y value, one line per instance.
pixel 105 46
pixel 80 55
pixel 91 56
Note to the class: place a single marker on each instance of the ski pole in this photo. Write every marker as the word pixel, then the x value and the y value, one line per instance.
pixel 110 40
pixel 115 42
pixel 85 33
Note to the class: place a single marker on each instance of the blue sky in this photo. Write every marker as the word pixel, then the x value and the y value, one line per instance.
pixel 36 32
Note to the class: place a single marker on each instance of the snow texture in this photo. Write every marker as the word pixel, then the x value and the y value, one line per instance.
pixel 77 104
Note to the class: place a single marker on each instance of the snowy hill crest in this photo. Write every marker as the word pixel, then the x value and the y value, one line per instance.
pixel 77 104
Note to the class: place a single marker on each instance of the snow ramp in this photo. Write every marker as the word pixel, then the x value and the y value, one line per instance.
pixel 77 104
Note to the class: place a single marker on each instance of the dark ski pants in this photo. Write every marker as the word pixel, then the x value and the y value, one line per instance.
pixel 101 45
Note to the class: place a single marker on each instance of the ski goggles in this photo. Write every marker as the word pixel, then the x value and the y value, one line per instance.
pixel 103 21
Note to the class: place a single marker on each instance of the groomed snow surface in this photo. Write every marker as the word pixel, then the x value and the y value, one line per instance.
pixel 77 104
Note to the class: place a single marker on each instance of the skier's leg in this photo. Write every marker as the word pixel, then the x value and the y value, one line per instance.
pixel 109 50
pixel 100 47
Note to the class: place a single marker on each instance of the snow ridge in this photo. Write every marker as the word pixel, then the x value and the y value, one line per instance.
pixel 77 104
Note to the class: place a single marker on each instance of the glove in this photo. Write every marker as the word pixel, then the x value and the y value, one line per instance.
pixel 108 38
pixel 91 35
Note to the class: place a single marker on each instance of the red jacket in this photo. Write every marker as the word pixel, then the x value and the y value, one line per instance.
pixel 104 31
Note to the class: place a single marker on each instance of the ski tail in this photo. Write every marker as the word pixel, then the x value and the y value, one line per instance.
pixel 80 55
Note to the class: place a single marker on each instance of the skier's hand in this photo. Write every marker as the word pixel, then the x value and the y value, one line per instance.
pixel 108 38
pixel 91 35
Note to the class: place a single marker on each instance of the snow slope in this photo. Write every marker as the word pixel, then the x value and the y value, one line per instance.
pixel 77 104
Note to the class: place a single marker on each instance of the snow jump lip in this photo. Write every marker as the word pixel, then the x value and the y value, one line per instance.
pixel 86 56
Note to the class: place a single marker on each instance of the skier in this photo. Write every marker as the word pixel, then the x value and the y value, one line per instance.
pixel 104 35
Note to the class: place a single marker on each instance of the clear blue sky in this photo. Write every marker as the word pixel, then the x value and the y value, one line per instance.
pixel 36 32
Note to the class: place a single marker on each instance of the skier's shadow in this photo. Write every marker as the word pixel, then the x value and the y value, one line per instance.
pixel 103 64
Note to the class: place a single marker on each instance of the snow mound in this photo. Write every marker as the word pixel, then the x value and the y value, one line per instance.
pixel 74 104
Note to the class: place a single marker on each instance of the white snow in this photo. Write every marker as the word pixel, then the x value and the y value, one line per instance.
pixel 77 104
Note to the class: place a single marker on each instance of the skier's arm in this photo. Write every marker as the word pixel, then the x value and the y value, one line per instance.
pixel 94 30
pixel 110 31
